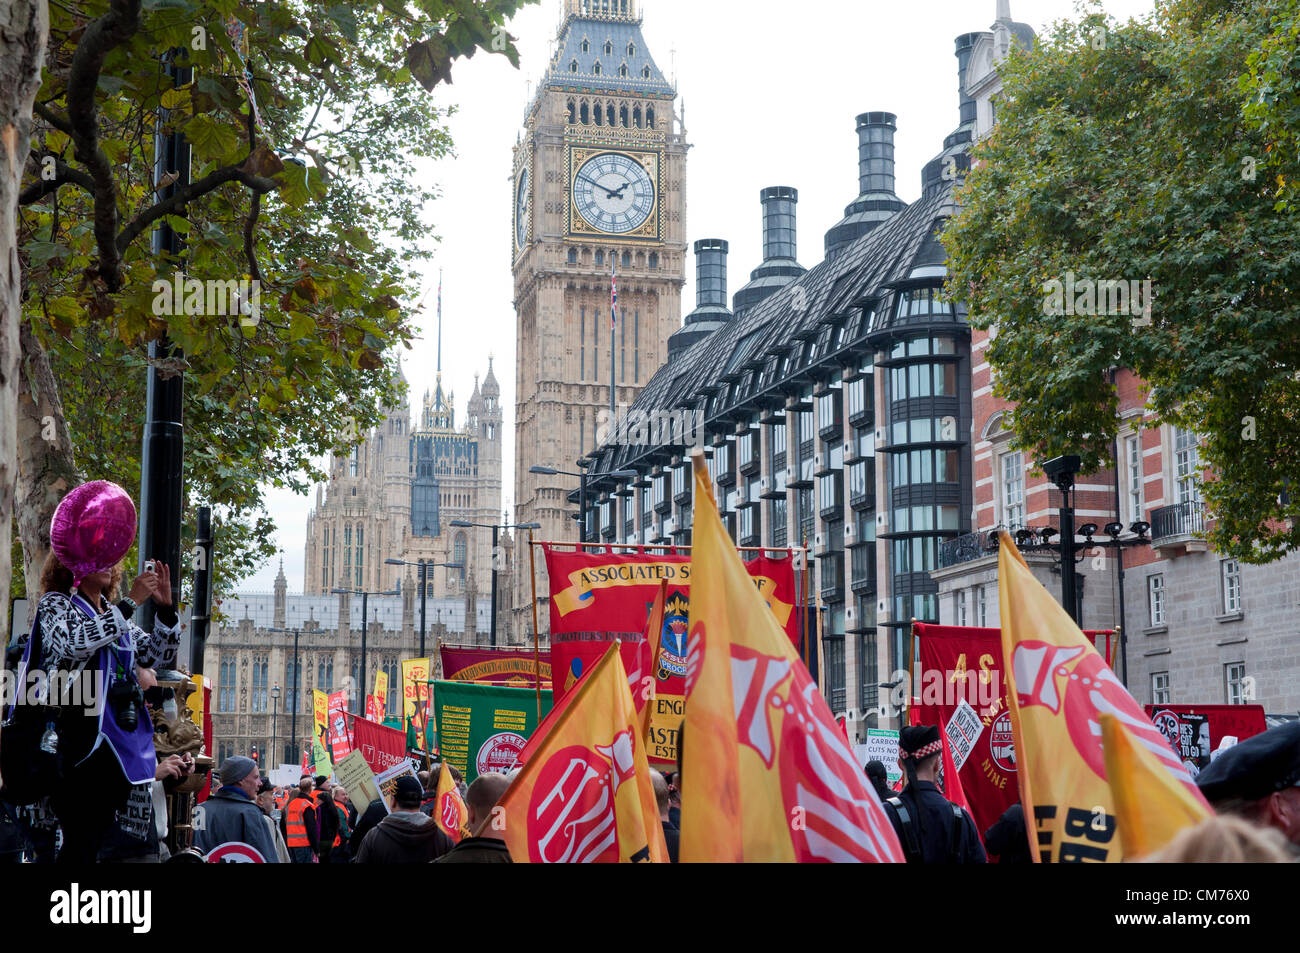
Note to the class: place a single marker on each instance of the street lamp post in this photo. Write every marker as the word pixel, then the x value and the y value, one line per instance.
pixel 296 687
pixel 365 595
pixel 1062 471
pixel 424 566
pixel 583 464
pixel 275 713
pixel 495 527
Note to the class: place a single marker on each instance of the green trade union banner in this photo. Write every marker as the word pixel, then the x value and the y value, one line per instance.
pixel 484 727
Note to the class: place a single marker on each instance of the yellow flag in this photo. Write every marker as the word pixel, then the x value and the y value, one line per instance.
pixel 653 634
pixel 1151 806
pixel 449 810
pixel 381 692
pixel 767 775
pixel 415 694
pixel 321 763
pixel 585 794
pixel 1058 689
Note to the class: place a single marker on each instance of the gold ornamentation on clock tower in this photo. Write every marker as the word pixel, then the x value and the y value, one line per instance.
pixel 599 188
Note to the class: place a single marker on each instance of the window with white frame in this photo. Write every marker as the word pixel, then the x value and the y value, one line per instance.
pixel 1230 573
pixel 981 607
pixel 1234 678
pixel 1133 459
pixel 1013 490
pixel 961 607
pixel 1187 469
pixel 1160 688
pixel 1156 598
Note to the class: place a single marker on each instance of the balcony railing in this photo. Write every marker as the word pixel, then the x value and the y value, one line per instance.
pixel 963 549
pixel 1182 520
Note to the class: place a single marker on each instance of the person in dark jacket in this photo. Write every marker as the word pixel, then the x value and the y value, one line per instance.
pixel 672 837
pixel 407 835
pixel 232 815
pixel 930 828
pixel 1008 839
pixel 327 818
pixel 485 847
pixel 375 812
pixel 300 852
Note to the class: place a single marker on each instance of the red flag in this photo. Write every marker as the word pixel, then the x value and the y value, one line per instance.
pixel 952 781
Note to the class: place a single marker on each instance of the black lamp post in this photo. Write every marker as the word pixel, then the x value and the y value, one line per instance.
pixel 423 566
pixel 275 712
pixel 496 528
pixel 365 598
pixel 1062 471
pixel 296 687
pixel 583 464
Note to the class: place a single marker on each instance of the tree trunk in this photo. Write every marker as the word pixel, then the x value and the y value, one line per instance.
pixel 47 467
pixel 24 30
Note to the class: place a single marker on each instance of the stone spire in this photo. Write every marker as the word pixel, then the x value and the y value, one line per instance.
pixel 281 595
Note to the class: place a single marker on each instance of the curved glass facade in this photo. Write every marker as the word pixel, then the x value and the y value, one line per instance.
pixel 923 354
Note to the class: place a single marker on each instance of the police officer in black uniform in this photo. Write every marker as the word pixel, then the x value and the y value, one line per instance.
pixel 1259 780
pixel 931 828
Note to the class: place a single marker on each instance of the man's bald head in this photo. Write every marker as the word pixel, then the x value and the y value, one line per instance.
pixel 660 784
pixel 482 796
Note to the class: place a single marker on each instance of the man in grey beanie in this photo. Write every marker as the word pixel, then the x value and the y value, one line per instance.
pixel 231 814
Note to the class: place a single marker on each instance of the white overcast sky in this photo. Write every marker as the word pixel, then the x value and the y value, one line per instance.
pixel 770 99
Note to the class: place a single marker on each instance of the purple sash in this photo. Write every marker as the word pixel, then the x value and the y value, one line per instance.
pixel 134 750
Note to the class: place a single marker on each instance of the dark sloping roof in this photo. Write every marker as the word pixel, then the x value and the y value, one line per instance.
pixel 831 289
pixel 597 33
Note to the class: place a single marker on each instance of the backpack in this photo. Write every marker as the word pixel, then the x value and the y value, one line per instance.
pixel 28 771
pixel 911 841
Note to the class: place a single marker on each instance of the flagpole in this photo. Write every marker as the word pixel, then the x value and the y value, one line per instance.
pixel 821 654
pixel 532 566
pixel 537 655
pixel 613 306
pixel 911 667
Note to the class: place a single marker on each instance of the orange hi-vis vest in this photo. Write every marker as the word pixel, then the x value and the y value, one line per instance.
pixel 295 823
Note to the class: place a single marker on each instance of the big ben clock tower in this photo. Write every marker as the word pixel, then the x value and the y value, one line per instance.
pixel 599 187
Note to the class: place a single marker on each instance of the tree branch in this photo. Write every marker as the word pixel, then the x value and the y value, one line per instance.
pixel 63 174
pixel 56 120
pixel 102 36
pixel 186 194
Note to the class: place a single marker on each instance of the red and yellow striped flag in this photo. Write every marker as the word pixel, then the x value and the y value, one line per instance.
pixel 1151 805
pixel 585 794
pixel 449 811
pixel 1058 689
pixel 767 775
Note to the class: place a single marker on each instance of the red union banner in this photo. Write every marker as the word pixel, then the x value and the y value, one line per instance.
pixel 516 668
pixel 596 592
pixel 597 597
pixel 381 746
pixel 965 662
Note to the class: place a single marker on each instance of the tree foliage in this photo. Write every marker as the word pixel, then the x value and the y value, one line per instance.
pixel 1147 155
pixel 308 122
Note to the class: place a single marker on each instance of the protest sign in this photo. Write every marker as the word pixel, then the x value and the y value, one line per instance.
pixel 357 777
pixel 963 730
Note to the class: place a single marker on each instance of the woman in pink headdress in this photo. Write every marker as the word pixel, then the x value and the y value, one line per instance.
pixel 81 627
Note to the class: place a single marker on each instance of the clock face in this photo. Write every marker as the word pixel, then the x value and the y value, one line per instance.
pixel 613 193
pixel 521 210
